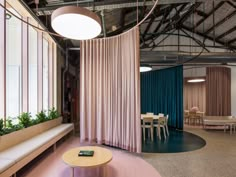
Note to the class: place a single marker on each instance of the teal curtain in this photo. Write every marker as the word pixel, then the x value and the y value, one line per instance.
pixel 162 92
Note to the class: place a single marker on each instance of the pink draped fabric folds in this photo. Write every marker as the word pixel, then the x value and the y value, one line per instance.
pixel 218 91
pixel 110 91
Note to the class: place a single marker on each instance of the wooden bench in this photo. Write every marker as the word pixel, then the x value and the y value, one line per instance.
pixel 20 147
pixel 223 122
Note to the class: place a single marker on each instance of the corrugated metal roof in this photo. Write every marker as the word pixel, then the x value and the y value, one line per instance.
pixel 119 19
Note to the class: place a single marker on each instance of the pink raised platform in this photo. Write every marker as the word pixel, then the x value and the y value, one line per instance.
pixel 123 164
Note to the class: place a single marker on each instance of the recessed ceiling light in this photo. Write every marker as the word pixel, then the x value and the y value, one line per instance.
pixel 196 80
pixel 75 22
pixel 145 68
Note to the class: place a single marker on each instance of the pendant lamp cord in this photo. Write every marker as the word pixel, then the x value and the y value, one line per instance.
pixel 36 4
pixel 137 10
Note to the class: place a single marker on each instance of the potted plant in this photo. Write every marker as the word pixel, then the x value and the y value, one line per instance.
pixel 41 116
pixel 25 119
pixel 10 127
pixel 53 113
pixel 1 127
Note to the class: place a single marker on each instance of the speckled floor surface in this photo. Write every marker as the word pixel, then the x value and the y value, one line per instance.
pixel 216 159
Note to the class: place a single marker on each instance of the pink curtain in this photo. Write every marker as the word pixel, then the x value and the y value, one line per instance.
pixel 110 91
pixel 195 95
pixel 218 95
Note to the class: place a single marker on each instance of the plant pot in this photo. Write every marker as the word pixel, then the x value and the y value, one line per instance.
pixel 17 137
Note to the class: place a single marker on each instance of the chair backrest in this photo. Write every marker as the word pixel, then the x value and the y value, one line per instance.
pixel 150 113
pixel 192 114
pixel 167 117
pixel 148 120
pixel 200 114
pixel 162 120
pixel 161 114
pixel 186 112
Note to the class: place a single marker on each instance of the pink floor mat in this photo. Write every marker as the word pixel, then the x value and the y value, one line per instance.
pixel 123 164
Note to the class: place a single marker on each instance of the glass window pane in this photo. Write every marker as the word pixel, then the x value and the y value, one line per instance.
pixel 13 65
pixel 45 74
pixel 33 72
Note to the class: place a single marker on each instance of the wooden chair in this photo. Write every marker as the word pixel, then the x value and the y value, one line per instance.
pixel 166 124
pixel 150 113
pixel 186 116
pixel 200 116
pixel 161 125
pixel 192 117
pixel 147 123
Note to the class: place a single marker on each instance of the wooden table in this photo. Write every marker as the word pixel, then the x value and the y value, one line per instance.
pixel 155 117
pixel 101 157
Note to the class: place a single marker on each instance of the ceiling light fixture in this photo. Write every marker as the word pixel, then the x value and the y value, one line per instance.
pixel 75 22
pixel 145 68
pixel 196 80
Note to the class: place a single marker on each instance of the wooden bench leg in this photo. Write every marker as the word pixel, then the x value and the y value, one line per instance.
pixel 54 147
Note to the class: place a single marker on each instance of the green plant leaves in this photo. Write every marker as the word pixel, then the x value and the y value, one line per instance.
pixel 53 113
pixel 25 120
pixel 1 124
pixel 41 116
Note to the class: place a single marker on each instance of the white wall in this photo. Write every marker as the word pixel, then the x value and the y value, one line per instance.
pixel 194 72
pixel 233 91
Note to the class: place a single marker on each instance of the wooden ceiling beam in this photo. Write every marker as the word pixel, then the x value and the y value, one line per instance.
pixel 226 33
pixel 230 47
pixel 232 14
pixel 209 14
pixel 153 17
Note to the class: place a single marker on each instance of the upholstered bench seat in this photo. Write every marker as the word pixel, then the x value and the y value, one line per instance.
pixel 26 149
pixel 211 122
pixel 5 164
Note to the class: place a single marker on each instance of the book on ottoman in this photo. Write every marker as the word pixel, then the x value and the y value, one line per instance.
pixel 86 153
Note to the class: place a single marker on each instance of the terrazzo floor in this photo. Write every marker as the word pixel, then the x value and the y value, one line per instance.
pixel 216 159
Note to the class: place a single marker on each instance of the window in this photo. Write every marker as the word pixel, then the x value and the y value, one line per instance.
pixel 45 74
pixel 13 65
pixel 33 72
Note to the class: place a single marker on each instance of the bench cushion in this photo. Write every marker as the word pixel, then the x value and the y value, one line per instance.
pixel 19 151
pixel 5 164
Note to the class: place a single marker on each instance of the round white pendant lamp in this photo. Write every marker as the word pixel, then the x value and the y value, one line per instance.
pixel 75 22
pixel 196 80
pixel 145 68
